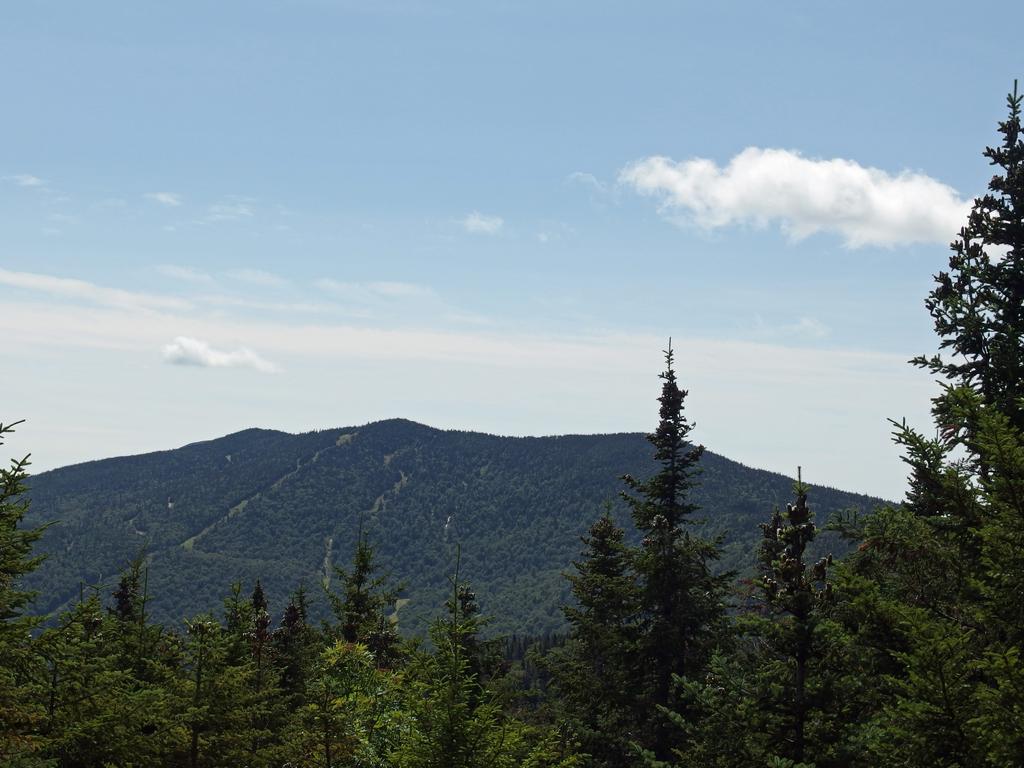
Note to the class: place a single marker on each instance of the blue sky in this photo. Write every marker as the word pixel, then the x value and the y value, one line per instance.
pixel 486 216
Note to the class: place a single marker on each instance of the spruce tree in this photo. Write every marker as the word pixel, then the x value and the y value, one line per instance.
pixel 295 646
pixel 795 594
pixel 944 574
pixel 19 666
pixel 456 722
pixel 365 607
pixel 682 611
pixel 978 305
pixel 594 672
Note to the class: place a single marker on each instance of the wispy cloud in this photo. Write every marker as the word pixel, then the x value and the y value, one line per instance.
pixel 480 224
pixel 231 209
pixel 185 350
pixel 26 180
pixel 257 277
pixel 397 290
pixel 188 274
pixel 370 292
pixel 222 301
pixel 602 193
pixel 590 181
pixel 530 382
pixel 801 328
pixel 865 206
pixel 169 199
pixel 70 288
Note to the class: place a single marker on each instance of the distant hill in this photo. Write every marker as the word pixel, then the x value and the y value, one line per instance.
pixel 286 508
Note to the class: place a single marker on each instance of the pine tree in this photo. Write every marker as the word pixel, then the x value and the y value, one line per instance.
pixel 594 672
pixel 457 723
pixel 105 703
pixel 978 306
pixel 295 649
pixel 365 607
pixel 19 666
pixel 944 575
pixel 353 712
pixel 682 610
pixel 795 594
pixel 217 693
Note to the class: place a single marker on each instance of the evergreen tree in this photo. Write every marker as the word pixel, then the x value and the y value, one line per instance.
pixel 19 666
pixel 937 584
pixel 217 693
pixel 104 704
pixel 794 595
pixel 457 723
pixel 978 306
pixel 353 712
pixel 682 610
pixel 595 671
pixel 365 607
pixel 295 648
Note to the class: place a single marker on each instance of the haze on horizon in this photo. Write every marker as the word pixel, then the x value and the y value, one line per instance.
pixel 319 214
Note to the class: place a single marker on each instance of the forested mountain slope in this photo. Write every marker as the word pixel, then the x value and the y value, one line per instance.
pixel 286 508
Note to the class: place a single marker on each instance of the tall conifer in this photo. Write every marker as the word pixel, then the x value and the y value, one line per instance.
pixel 19 710
pixel 682 611
pixel 594 672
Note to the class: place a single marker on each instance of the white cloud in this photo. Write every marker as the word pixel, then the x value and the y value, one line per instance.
pixel 481 224
pixel 222 301
pixel 233 209
pixel 188 274
pixel 866 206
pixel 70 288
pixel 257 277
pixel 26 180
pixel 589 180
pixel 373 291
pixel 498 381
pixel 170 199
pixel 803 327
pixel 398 290
pixel 188 351
pixel 808 326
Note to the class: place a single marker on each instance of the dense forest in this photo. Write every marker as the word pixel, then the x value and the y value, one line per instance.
pixel 904 652
pixel 285 509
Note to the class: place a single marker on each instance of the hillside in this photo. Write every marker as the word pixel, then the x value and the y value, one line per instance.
pixel 286 508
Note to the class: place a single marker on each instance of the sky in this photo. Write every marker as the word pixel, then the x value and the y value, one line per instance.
pixel 487 216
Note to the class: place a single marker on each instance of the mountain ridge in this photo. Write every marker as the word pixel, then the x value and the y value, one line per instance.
pixel 284 508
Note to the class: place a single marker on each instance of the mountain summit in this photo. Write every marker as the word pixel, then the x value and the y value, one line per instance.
pixel 286 509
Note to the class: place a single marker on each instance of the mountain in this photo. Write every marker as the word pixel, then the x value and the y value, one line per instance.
pixel 285 509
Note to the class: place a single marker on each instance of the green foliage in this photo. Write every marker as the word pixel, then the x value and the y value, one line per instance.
pixel 456 720
pixel 977 305
pixel 595 672
pixel 649 617
pixel 19 708
pixel 795 598
pixel 273 513
pixel 365 609
pixel 939 582
pixel 905 653
pixel 107 703
pixel 681 599
pixel 353 715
